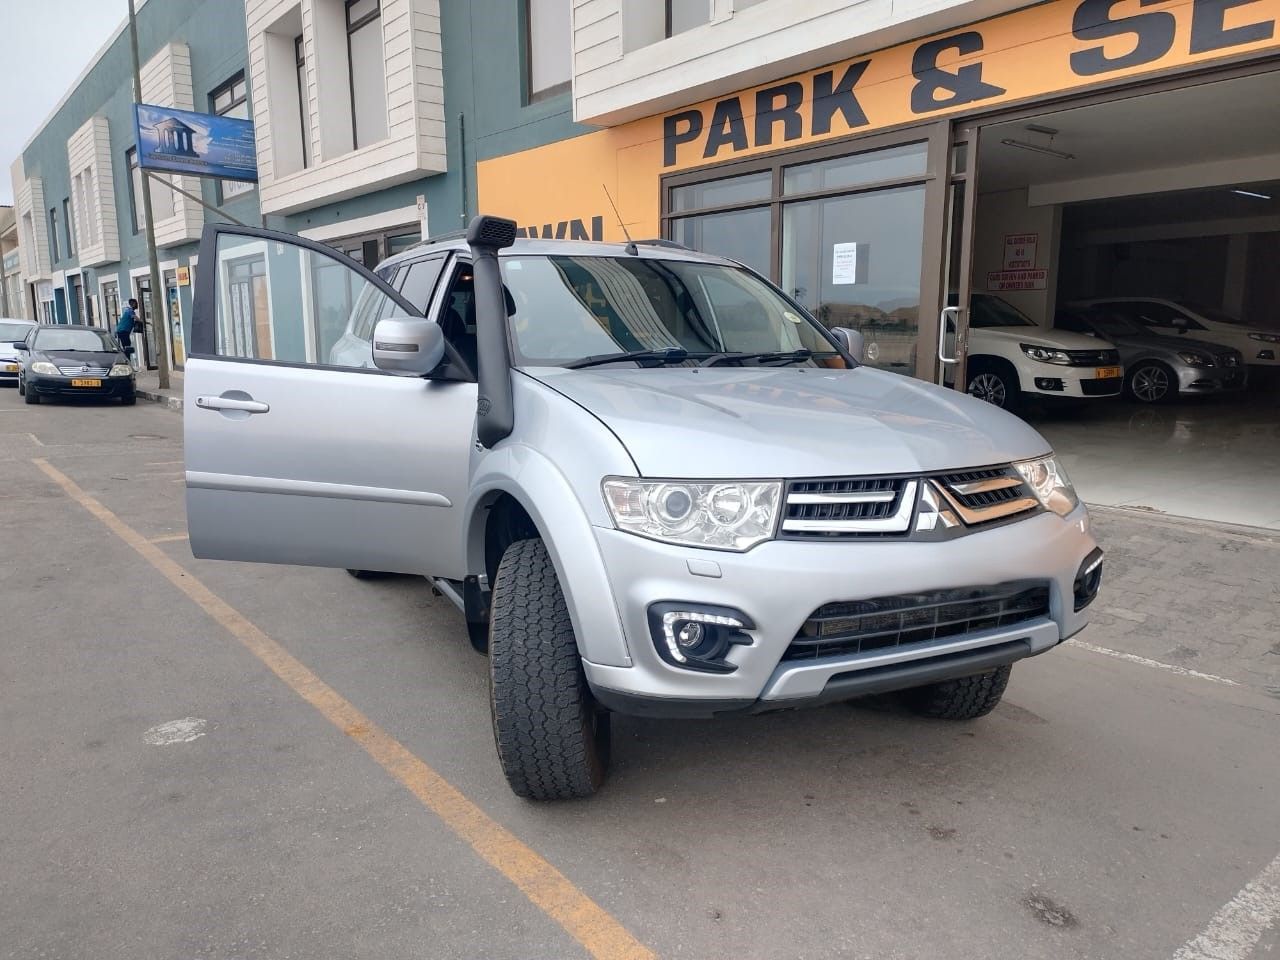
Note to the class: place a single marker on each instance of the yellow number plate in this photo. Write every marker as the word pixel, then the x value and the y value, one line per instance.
pixel 1108 373
pixel 86 383
pixel 10 368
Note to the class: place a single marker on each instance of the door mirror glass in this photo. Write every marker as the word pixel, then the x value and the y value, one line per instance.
pixel 407 346
pixel 21 345
pixel 852 340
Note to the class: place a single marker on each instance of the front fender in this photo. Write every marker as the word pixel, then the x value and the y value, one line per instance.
pixel 546 494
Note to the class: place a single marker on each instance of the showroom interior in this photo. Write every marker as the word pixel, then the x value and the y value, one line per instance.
pixel 1169 191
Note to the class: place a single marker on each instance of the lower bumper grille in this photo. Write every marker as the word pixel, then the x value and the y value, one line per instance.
pixel 860 626
pixel 1101 387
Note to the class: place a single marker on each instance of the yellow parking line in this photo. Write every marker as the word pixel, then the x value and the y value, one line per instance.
pixel 168 538
pixel 549 890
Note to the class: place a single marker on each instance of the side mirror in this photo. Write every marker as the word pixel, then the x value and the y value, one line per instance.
pixel 21 345
pixel 408 346
pixel 852 340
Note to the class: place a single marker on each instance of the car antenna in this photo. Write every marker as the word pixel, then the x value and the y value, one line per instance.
pixel 631 244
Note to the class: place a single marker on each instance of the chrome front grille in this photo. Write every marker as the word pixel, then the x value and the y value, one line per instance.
pixel 840 508
pixel 84 370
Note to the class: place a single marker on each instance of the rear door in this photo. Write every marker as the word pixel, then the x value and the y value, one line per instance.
pixel 298 450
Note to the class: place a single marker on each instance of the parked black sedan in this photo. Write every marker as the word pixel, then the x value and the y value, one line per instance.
pixel 67 360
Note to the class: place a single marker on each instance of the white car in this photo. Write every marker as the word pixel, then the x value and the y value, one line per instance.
pixel 1012 357
pixel 1260 347
pixel 11 332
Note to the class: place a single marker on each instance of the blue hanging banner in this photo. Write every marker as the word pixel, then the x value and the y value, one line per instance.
pixel 195 144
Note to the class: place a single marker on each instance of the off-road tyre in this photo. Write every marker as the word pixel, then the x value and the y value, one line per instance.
pixel 552 738
pixel 965 698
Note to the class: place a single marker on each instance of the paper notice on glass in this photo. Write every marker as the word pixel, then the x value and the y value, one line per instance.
pixel 844 263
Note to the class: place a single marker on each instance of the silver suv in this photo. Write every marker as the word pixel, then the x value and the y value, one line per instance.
pixel 651 482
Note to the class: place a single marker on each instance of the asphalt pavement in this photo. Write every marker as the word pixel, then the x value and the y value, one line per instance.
pixel 220 760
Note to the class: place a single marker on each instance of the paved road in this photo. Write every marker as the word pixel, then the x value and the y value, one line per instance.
pixel 1110 808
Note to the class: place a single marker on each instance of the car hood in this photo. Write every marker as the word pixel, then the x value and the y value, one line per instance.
pixel 791 421
pixel 1040 337
pixel 8 352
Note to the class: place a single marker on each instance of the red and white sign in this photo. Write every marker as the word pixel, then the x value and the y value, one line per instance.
pixel 1017 279
pixel 1020 250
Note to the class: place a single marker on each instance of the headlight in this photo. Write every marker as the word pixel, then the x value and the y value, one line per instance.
pixel 1265 337
pixel 1045 354
pixel 43 366
pixel 1195 360
pixel 1049 482
pixel 723 514
pixel 119 370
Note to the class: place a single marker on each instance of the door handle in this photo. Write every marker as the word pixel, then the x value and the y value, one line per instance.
pixel 231 403
pixel 954 314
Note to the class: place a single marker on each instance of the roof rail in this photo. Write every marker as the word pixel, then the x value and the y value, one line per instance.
pixel 659 242
pixel 441 238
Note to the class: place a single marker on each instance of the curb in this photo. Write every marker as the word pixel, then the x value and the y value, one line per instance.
pixel 168 402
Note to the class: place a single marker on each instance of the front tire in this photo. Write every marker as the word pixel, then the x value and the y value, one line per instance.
pixel 965 698
pixel 995 383
pixel 31 396
pixel 552 739
pixel 129 400
pixel 1151 382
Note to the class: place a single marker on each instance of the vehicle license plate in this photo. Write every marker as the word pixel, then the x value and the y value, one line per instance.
pixel 1107 373
pixel 86 383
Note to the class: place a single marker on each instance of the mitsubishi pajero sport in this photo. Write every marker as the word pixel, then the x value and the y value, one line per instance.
pixel 651 482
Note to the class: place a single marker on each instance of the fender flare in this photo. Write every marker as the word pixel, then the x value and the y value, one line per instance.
pixel 536 484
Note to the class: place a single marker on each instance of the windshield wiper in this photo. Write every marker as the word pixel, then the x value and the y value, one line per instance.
pixel 672 355
pixel 765 356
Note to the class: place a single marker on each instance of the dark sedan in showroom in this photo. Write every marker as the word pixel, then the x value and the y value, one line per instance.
pixel 67 360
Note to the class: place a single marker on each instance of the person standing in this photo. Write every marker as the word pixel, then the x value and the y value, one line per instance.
pixel 125 328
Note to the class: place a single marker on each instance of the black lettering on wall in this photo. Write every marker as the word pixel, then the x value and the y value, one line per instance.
pixel 1210 32
pixel 578 229
pixel 830 98
pixel 673 136
pixel 768 112
pixel 1152 34
pixel 727 126
pixel 937 88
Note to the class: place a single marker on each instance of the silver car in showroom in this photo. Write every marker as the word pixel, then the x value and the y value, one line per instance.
pixel 1159 368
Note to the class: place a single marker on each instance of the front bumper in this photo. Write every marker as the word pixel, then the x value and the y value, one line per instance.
pixel 1053 380
pixel 1202 380
pixel 110 387
pixel 9 370
pixel 779 584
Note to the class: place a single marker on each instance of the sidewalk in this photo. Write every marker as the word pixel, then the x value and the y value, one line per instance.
pixel 148 388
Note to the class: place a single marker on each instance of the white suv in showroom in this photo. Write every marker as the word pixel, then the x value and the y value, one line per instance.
pixel 1261 348
pixel 1012 357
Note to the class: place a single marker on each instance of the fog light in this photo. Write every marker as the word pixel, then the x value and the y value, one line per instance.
pixel 1049 383
pixel 1266 355
pixel 697 637
pixel 1088 580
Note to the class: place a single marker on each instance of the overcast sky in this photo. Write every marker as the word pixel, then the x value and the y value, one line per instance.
pixel 46 45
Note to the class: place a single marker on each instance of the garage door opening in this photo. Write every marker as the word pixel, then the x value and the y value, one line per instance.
pixel 1148 228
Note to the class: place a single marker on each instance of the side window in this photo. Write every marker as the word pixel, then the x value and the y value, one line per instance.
pixel 419 280
pixel 458 314
pixel 278 301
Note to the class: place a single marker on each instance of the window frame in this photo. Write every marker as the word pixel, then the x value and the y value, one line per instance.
pixel 55 252
pixel 352 29
pixel 131 163
pixel 304 102
pixel 229 86
pixel 666 23
pixel 532 96
pixel 69 226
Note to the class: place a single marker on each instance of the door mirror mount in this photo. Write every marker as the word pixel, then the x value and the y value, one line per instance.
pixel 407 346
pixel 853 342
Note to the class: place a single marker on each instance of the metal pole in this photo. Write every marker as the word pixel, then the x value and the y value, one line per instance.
pixel 157 294
pixel 191 196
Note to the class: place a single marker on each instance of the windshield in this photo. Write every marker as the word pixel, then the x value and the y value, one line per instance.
pixel 571 308
pixel 1110 324
pixel 87 341
pixel 11 331
pixel 988 311
pixel 1212 313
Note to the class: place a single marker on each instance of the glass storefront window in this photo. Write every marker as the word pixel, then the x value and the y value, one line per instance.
pixel 722 193
pixel 855 261
pixel 859 169
pixel 741 235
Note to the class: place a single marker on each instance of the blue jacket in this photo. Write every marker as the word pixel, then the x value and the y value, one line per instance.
pixel 127 319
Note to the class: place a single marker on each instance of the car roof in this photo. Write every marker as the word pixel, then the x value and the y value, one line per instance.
pixel 69 326
pixel 529 246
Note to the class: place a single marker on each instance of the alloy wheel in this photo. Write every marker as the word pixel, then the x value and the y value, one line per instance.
pixel 1150 384
pixel 988 387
